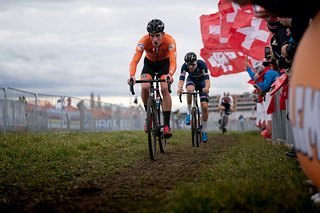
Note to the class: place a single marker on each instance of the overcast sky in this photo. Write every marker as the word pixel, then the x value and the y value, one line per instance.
pixel 75 47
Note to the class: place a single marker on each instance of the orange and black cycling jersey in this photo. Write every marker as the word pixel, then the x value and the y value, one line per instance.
pixel 167 49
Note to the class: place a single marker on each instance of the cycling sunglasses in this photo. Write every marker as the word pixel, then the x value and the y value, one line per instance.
pixel 191 64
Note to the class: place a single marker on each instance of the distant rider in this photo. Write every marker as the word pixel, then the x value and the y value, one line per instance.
pixel 225 104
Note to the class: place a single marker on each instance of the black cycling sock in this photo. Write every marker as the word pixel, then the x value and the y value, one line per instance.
pixel 145 107
pixel 166 118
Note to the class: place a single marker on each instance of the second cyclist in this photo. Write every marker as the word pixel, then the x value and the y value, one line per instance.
pixel 198 80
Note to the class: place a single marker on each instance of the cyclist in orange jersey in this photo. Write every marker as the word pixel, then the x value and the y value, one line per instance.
pixel 160 57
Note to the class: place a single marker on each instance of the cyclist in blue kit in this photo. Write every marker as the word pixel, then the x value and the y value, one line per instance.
pixel 198 80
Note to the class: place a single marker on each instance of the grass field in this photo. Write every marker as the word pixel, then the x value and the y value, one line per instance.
pixel 111 172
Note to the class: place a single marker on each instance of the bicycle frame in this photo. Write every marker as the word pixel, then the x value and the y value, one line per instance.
pixel 154 109
pixel 196 118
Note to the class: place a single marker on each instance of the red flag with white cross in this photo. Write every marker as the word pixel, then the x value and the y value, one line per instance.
pixel 230 34
pixel 223 61
pixel 249 35
pixel 229 11
pixel 210 30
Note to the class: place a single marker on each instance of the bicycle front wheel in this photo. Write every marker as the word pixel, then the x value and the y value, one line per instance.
pixel 152 128
pixel 194 127
pixel 162 141
pixel 199 128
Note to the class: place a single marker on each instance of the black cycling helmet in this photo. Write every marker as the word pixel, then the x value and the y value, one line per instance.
pixel 190 58
pixel 155 26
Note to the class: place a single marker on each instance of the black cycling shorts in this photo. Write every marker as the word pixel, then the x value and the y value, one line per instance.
pixel 199 85
pixel 150 67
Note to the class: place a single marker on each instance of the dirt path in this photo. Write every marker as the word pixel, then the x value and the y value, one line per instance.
pixel 145 181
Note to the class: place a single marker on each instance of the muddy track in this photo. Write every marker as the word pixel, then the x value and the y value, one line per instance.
pixel 130 190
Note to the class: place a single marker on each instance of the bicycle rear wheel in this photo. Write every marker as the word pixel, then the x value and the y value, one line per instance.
pixel 152 128
pixel 194 127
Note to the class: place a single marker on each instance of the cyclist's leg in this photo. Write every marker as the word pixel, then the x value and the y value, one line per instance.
pixel 190 88
pixel 227 112
pixel 166 107
pixel 147 73
pixel 205 111
pixel 166 97
pixel 227 119
pixel 163 70
pixel 145 88
pixel 204 99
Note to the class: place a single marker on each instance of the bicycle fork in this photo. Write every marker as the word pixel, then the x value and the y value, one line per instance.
pixel 158 108
pixel 194 100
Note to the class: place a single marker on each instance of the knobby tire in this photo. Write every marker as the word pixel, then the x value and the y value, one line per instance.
pixel 152 128
pixel 194 127
pixel 199 137
pixel 162 141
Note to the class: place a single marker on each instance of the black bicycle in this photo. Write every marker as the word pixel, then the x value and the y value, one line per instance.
pixel 195 118
pixel 154 111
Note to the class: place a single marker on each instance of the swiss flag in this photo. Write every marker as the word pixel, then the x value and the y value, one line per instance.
pixel 229 11
pixel 210 30
pixel 230 34
pixel 249 35
pixel 224 61
pixel 227 7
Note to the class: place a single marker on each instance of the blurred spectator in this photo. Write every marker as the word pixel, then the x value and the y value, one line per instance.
pixel 176 115
pixel 283 8
pixel 296 28
pixel 300 12
pixel 262 76
pixel 279 37
pixel 241 119
pixel 23 99
pixel 80 105
pixel 68 102
pixel 293 14
pixel 59 104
